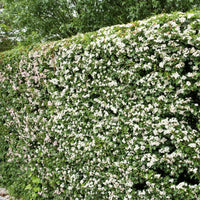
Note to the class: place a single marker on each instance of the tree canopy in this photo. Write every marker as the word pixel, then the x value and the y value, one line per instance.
pixel 6 41
pixel 43 20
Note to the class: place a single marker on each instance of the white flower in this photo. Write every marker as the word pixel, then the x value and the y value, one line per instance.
pixel 161 64
pixel 192 50
pixel 142 148
pixel 113 83
pixel 196 53
pixel 195 68
pixel 188 83
pixel 62 185
pixel 54 81
pixel 157 175
pixel 173 108
pixel 194 170
pixel 190 15
pixel 49 103
pixel 182 19
pixel 70 188
pixel 113 109
pixel 175 75
pixel 109 63
pixel 161 98
pixel 191 74
pixel 179 65
pixel 180 185
pixel 152 161
pixel 193 145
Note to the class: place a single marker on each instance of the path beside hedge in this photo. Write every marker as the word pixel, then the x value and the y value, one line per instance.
pixel 4 195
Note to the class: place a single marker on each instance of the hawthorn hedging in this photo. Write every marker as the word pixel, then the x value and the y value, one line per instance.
pixel 112 114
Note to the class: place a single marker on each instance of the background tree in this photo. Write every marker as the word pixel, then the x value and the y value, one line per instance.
pixel 141 9
pixel 50 20
pixel 42 20
pixel 94 14
pixel 39 19
pixel 6 40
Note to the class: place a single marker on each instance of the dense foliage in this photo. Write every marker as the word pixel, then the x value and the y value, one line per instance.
pixel 112 114
pixel 40 20
pixel 6 42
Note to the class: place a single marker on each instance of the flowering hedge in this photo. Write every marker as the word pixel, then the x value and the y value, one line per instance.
pixel 112 114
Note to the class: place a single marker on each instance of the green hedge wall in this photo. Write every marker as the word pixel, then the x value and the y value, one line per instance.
pixel 112 114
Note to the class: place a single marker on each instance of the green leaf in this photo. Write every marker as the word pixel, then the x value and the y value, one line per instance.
pixel 35 180
pixel 28 187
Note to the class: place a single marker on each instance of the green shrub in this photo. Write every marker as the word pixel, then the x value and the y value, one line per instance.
pixel 112 114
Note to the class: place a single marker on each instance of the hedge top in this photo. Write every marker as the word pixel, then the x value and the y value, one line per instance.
pixel 112 114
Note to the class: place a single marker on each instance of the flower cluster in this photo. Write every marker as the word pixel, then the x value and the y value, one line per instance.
pixel 112 114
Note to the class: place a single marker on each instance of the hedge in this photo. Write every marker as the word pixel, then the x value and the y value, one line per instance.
pixel 112 114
